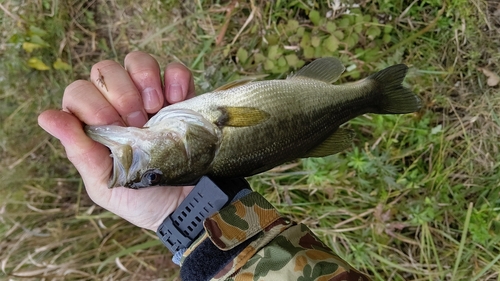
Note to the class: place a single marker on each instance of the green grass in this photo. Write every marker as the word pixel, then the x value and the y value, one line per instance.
pixel 416 198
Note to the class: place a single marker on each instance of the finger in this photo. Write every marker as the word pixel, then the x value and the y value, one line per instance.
pixel 179 83
pixel 117 87
pixel 90 158
pixel 84 100
pixel 145 73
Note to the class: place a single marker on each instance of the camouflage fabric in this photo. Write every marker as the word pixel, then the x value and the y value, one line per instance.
pixel 279 249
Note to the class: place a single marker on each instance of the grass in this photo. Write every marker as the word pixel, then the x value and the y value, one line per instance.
pixel 416 198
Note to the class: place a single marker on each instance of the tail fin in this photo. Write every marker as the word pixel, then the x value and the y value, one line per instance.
pixel 395 99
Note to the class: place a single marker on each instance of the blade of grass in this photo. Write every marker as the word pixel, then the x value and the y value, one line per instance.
pixel 206 47
pixel 394 265
pixel 129 250
pixel 407 41
pixel 462 241
pixel 165 29
pixel 486 268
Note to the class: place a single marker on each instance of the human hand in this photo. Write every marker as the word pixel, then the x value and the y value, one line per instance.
pixel 122 96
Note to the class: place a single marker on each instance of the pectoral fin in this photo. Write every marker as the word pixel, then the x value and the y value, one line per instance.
pixel 327 70
pixel 337 142
pixel 241 116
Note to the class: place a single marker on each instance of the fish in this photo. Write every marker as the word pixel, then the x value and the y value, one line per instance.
pixel 248 127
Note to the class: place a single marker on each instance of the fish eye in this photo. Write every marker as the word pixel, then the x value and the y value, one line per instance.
pixel 152 177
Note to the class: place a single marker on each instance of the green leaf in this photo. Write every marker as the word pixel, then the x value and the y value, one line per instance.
pixel 331 26
pixel 319 52
pixel 300 31
pixel 15 39
pixel 352 40
pixel 315 41
pixel 386 38
pixel 371 53
pixel 308 52
pixel 258 57
pixel 358 28
pixel 254 29
pixel 29 47
pixel 38 40
pixel 292 26
pixel 358 19
pixel 37 64
pixel 269 65
pixel 355 74
pixel 314 17
pixel 36 31
pixel 373 32
pixel 272 39
pixel 60 65
pixel 306 40
pixel 273 52
pixel 339 34
pixel 282 62
pixel 388 28
pixel 344 22
pixel 226 50
pixel 355 11
pixel 331 43
pixel 242 55
pixel 103 45
pixel 292 60
pixel 294 39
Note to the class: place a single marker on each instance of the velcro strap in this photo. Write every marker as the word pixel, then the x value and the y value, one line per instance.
pixel 240 221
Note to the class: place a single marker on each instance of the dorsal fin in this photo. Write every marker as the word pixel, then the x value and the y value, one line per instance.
pixel 239 82
pixel 325 69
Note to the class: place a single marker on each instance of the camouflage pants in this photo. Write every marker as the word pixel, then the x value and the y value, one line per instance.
pixel 250 240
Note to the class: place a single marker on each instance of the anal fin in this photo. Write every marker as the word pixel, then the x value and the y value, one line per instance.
pixel 337 142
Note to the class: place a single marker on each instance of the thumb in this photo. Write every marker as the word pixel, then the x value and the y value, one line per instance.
pixel 90 158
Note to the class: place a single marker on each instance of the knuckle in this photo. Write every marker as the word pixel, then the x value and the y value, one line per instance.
pixel 129 101
pixel 135 55
pixel 102 65
pixel 104 114
pixel 75 90
pixel 177 72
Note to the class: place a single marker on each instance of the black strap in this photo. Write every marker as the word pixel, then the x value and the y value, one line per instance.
pixel 209 195
pixel 207 260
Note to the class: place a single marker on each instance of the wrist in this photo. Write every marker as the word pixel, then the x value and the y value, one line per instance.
pixel 170 207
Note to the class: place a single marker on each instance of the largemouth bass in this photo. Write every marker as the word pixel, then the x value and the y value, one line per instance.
pixel 246 128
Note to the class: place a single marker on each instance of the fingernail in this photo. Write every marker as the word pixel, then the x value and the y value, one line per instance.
pixel 175 93
pixel 136 119
pixel 151 99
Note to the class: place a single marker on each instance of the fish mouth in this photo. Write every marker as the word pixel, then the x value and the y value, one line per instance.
pixel 128 157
